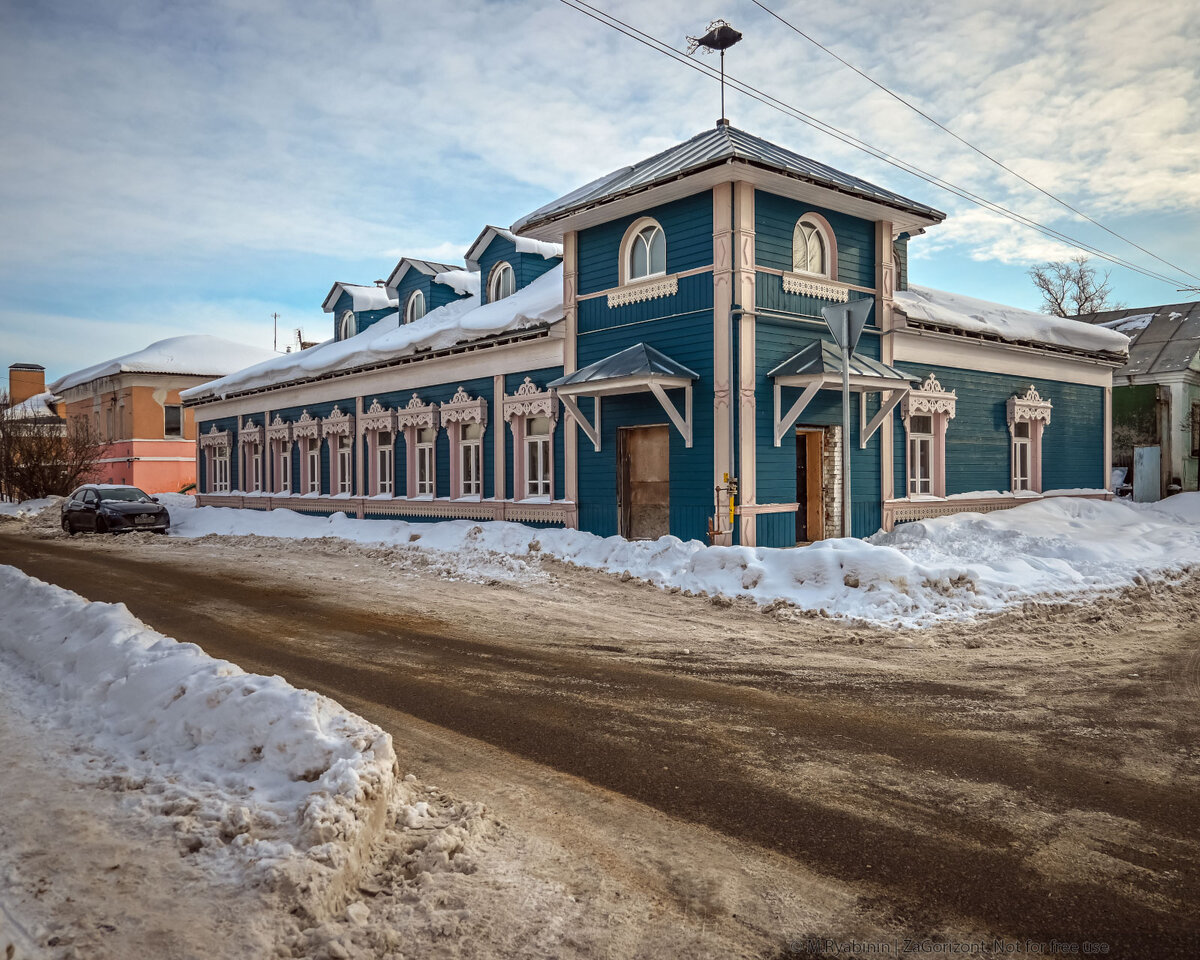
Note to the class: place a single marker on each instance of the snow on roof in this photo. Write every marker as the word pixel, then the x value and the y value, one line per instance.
pixel 1013 324
pixel 363 297
pixel 464 282
pixel 37 407
pixel 460 321
pixel 543 248
pixel 197 354
pixel 429 268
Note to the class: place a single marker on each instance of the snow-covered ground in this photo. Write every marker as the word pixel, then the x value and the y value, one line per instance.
pixel 947 568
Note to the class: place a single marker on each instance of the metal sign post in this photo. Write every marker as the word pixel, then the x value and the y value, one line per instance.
pixel 846 322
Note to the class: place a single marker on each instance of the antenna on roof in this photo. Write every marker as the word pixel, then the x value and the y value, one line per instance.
pixel 720 36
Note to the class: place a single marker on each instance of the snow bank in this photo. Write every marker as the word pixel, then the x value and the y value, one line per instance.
pixel 27 508
pixel 955 567
pixel 1008 323
pixel 192 354
pixel 288 781
pixel 463 320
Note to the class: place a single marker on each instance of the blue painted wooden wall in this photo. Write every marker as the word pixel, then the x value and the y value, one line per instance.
pixel 363 318
pixel 527 267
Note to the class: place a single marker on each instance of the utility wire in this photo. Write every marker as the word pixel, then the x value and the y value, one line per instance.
pixel 754 93
pixel 983 153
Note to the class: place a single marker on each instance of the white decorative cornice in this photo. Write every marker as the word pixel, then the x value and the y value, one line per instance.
pixel 249 433
pixel 930 399
pixel 307 427
pixel 530 401
pixel 279 430
pixel 642 290
pixel 462 409
pixel 1028 408
pixel 417 414
pixel 810 287
pixel 378 417
pixel 337 424
pixel 214 438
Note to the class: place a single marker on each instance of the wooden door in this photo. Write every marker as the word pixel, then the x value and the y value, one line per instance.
pixel 643 482
pixel 810 515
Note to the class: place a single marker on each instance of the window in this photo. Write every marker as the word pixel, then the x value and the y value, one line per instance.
pixel 503 282
pixel 646 252
pixel 416 307
pixel 220 469
pixel 385 463
pixel 256 471
pixel 285 468
pixel 173 420
pixel 313 461
pixel 470 455
pixel 110 423
pixel 345 464
pixel 920 456
pixel 537 457
pixel 1022 456
pixel 810 253
pixel 425 438
pixel 346 325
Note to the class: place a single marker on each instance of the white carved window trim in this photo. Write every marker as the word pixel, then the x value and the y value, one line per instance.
pixel 414 309
pixel 279 438
pixel 250 439
pixel 347 325
pixel 527 403
pixel 940 405
pixel 807 227
pixel 333 428
pixel 218 467
pixel 376 421
pixel 417 415
pixel 461 410
pixel 1028 408
pixel 426 465
pixel 383 480
pixel 502 282
pixel 310 465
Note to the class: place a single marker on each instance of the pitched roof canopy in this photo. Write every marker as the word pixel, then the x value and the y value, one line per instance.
pixel 429 268
pixel 639 360
pixel 712 148
pixel 823 358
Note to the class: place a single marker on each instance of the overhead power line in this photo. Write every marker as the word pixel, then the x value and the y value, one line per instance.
pixel 660 46
pixel 967 143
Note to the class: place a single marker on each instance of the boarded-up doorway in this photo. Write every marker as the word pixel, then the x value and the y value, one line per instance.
pixel 810 473
pixel 643 482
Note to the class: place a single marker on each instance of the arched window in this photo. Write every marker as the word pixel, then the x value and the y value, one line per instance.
pixel 346 326
pixel 810 248
pixel 416 307
pixel 503 282
pixel 645 252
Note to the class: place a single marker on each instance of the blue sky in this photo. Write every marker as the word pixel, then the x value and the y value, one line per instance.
pixel 193 168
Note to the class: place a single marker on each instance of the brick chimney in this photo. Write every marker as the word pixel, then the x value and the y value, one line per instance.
pixel 25 380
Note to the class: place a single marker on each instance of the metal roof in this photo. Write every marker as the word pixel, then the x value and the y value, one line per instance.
pixel 1163 339
pixel 636 361
pixel 710 148
pixel 823 358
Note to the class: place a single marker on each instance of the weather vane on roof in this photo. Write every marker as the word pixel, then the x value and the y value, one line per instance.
pixel 720 36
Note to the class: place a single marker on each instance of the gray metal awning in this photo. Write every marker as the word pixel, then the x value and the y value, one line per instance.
pixel 636 369
pixel 819 367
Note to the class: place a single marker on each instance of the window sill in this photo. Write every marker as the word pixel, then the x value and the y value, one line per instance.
pixel 649 288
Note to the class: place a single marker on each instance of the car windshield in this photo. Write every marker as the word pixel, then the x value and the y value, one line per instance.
pixel 128 494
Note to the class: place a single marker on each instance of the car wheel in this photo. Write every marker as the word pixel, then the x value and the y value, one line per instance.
pixel 67 528
pixel 101 526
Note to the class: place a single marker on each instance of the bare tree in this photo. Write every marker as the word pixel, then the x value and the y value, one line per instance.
pixel 42 457
pixel 1070 288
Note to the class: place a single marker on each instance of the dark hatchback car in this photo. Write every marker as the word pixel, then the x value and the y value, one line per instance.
pixel 106 508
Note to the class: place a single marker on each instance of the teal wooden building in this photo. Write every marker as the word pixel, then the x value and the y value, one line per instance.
pixel 646 356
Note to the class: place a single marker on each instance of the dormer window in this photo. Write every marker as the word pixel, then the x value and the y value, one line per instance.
pixel 415 309
pixel 645 252
pixel 347 326
pixel 503 282
pixel 810 248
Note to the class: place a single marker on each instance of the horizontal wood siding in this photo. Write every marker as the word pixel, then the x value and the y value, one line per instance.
pixel 978 442
pixel 223 423
pixel 770 295
pixel 687 224
pixel 776 340
pixel 775 220
pixel 691 305
pixel 691 495
pixel 362 318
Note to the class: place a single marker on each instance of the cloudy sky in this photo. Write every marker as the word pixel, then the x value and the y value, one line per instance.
pixel 175 168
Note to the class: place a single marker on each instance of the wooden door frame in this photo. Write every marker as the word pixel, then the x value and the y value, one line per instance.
pixel 624 499
pixel 814 440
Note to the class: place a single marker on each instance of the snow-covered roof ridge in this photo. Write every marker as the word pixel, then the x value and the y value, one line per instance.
pixel 364 296
pixel 429 268
pixel 970 315
pixel 543 248
pixel 195 354
pixel 461 321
